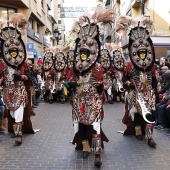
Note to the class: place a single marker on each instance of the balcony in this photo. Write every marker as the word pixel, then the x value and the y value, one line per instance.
pixel 49 4
pixel 37 37
pixel 135 3
pixel 107 2
pixel 17 3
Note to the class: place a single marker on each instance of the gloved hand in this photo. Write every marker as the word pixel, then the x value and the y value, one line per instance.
pixel 132 86
pixel 17 76
pixel 73 84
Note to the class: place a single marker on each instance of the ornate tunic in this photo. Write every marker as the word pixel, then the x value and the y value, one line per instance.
pixel 87 102
pixel 142 80
pixel 14 90
pixel 59 78
pixel 47 73
pixel 48 79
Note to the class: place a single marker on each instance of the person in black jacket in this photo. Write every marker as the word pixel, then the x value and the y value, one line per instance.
pixel 167 112
pixel 164 94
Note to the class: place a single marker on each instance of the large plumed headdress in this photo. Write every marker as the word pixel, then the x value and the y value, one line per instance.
pixel 141 50
pixel 87 49
pixel 12 45
pixel 140 46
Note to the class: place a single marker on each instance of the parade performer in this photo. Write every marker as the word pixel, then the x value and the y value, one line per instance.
pixel 70 59
pixel 88 94
pixel 28 110
pixel 105 61
pixel 119 65
pixel 48 75
pixel 14 55
pixel 59 74
pixel 87 82
pixel 140 79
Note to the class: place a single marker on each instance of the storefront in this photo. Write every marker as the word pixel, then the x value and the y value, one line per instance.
pixel 162 46
pixel 36 43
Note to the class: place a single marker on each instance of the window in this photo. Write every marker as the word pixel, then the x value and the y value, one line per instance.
pixel 31 25
pixel 168 54
pixel 38 27
pixel 6 13
pixel 42 3
pixel 59 21
pixel 129 13
pixel 10 12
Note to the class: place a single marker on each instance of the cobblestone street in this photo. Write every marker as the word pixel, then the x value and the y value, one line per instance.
pixel 50 148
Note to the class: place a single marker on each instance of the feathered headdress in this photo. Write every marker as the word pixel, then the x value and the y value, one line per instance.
pixel 126 23
pixel 87 49
pixel 111 47
pixel 101 16
pixel 12 45
pixel 17 20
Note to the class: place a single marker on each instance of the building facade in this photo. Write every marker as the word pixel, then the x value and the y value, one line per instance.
pixel 46 27
pixel 156 11
pixel 40 32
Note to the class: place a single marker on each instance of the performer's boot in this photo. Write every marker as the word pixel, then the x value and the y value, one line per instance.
pixel 86 149
pixel 14 129
pixel 110 100
pixel 62 99
pixel 138 132
pixel 148 135
pixel 122 96
pixel 18 133
pixel 47 99
pixel 118 98
pixel 50 101
pixel 5 123
pixel 50 98
pixel 97 149
pixel 2 128
pixel 97 161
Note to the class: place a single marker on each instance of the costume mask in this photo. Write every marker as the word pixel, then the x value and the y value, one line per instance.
pixel 118 60
pixel 59 61
pixel 87 47
pixel 48 61
pixel 12 47
pixel 141 49
pixel 70 59
pixel 105 60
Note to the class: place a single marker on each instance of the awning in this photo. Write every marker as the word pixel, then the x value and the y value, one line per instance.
pixel 161 41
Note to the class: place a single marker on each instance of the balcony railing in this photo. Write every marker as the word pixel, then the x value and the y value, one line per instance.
pixel 37 37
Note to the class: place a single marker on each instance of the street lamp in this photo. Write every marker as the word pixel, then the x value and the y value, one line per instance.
pixel 57 35
pixel 141 3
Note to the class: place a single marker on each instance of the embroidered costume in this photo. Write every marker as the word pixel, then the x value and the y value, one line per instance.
pixel 119 64
pixel 59 75
pixel 48 75
pixel 140 79
pixel 85 80
pixel 15 94
pixel 105 61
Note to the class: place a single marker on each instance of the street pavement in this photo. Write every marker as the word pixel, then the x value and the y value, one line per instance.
pixel 50 148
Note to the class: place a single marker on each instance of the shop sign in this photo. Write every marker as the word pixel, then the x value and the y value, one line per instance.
pixel 30 54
